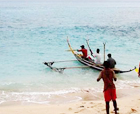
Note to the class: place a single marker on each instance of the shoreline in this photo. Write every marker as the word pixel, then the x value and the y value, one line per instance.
pixel 127 105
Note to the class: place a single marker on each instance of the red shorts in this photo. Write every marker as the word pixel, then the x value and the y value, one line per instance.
pixel 110 94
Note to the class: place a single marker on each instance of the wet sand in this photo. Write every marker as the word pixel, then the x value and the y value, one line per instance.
pixel 128 102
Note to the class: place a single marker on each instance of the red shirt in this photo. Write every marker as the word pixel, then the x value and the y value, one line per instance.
pixel 84 51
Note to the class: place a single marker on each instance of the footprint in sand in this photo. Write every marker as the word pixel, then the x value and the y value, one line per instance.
pixel 133 110
pixel 70 108
pixel 91 102
pixel 81 106
pixel 79 111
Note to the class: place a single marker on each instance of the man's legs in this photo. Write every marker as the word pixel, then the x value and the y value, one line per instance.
pixel 107 107
pixel 115 106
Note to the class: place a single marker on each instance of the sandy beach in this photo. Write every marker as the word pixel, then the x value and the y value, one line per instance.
pixel 128 104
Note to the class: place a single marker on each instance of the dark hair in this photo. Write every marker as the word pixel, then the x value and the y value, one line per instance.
pixel 98 50
pixel 109 55
pixel 106 64
pixel 82 46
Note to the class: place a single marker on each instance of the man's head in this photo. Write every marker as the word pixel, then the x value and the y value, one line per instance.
pixel 98 50
pixel 106 64
pixel 82 46
pixel 109 55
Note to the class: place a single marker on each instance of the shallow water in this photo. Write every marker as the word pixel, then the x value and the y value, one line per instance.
pixel 34 32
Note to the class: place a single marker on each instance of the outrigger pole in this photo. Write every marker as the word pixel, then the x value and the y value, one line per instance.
pixel 60 70
pixel 52 62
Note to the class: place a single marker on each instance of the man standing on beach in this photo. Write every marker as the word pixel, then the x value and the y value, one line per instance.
pixel 139 71
pixel 109 87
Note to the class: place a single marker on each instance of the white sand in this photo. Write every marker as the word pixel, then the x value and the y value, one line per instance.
pixel 127 105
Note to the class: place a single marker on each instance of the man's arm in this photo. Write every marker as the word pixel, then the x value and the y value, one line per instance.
pixel 114 76
pixel 100 76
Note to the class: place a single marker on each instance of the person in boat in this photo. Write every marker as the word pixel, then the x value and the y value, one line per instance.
pixel 97 56
pixel 111 61
pixel 84 51
pixel 108 76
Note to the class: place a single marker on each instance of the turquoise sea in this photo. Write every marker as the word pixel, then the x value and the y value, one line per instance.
pixel 34 32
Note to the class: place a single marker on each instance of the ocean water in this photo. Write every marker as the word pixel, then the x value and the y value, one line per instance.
pixel 34 32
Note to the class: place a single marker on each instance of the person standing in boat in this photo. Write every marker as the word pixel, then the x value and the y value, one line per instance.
pixel 111 61
pixel 139 71
pixel 108 76
pixel 97 56
pixel 84 51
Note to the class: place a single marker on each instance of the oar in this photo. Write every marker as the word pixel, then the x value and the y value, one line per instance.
pixel 89 47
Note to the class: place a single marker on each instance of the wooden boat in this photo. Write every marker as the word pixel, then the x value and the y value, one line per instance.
pixel 92 64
